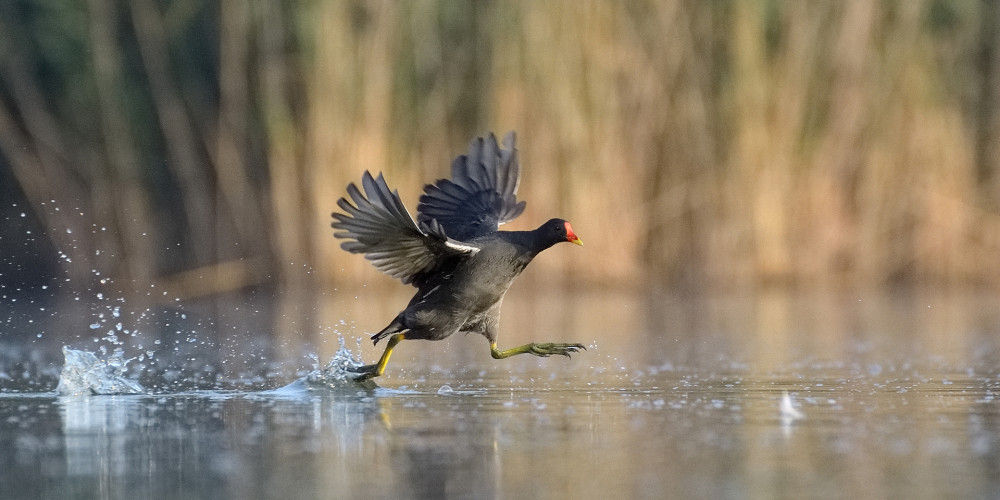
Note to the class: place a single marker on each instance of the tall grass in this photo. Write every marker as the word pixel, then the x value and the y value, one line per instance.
pixel 700 143
pixel 692 144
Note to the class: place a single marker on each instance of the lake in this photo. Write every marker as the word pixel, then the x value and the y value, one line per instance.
pixel 771 394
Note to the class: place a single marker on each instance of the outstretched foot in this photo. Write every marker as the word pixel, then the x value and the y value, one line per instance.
pixel 537 349
pixel 546 350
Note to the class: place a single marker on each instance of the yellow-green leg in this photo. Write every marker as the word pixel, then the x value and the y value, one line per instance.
pixel 376 370
pixel 542 350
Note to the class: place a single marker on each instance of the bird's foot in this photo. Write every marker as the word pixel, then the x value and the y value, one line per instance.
pixel 546 350
pixel 543 350
pixel 371 371
pixel 365 372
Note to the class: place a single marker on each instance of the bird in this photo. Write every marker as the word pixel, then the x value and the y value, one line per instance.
pixel 454 253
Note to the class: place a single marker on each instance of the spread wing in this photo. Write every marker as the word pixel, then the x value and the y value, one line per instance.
pixel 378 225
pixel 481 193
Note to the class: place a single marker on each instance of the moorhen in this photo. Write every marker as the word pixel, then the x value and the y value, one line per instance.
pixel 454 253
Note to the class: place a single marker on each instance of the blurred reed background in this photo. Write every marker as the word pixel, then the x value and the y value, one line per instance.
pixel 200 147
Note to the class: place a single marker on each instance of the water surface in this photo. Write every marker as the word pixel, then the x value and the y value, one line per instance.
pixel 891 396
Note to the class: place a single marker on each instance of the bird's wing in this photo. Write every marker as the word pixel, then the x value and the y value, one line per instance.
pixel 481 193
pixel 380 227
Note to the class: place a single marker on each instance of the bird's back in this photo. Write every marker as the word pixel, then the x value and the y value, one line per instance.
pixel 477 283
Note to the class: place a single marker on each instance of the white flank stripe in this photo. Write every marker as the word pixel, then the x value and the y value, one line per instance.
pixel 463 248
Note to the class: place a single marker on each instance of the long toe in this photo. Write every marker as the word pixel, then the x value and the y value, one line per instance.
pixel 546 350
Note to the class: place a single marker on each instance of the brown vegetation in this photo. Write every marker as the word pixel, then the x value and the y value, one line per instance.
pixel 691 143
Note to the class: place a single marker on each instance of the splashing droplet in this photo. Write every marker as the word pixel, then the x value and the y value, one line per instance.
pixel 85 373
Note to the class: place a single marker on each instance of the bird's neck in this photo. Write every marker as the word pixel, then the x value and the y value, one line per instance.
pixel 532 241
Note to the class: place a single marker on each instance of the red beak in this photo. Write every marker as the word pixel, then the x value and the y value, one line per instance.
pixel 571 236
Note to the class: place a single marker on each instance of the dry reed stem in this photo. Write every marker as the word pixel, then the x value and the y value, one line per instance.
pixel 691 144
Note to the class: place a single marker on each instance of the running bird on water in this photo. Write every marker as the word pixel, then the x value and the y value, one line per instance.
pixel 454 253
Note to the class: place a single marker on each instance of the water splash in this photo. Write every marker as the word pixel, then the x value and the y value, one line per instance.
pixel 787 410
pixel 84 373
pixel 341 372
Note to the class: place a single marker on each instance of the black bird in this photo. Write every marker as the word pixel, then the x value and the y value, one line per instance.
pixel 455 254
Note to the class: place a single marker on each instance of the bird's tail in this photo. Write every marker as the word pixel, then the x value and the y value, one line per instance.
pixel 396 326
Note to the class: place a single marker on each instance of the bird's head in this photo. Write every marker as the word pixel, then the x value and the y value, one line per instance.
pixel 558 231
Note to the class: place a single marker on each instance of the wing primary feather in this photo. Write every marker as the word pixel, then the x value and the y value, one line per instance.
pixel 491 156
pixel 481 193
pixel 473 158
pixel 378 225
